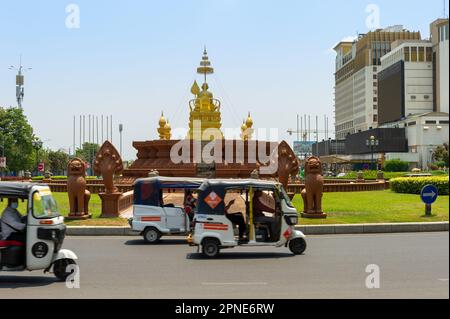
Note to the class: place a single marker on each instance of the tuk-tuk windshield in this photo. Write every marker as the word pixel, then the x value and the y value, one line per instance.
pixel 44 205
pixel 286 197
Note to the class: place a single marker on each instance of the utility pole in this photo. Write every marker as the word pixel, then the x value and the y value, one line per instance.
pixel 20 81
pixel 120 132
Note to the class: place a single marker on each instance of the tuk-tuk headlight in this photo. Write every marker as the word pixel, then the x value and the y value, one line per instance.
pixel 291 220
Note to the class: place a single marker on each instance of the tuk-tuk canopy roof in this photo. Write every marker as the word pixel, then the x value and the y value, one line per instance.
pixel 230 183
pixel 15 189
pixel 171 182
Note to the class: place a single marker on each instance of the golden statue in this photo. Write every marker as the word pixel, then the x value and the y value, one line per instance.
pixel 204 108
pixel 164 130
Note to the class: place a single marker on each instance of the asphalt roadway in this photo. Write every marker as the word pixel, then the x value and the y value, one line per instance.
pixel 410 266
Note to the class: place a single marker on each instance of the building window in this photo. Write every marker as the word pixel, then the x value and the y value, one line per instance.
pixel 411 123
pixel 375 118
pixel 407 54
pixel 413 54
pixel 421 54
pixel 374 76
pixel 426 97
pixel 430 122
pixel 443 122
pixel 429 54
pixel 375 99
pixel 375 107
pixel 413 97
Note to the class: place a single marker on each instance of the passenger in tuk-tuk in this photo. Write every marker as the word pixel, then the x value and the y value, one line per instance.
pixel 238 219
pixel 260 206
pixel 190 203
pixel 12 223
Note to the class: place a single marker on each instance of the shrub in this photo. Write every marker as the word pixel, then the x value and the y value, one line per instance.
pixel 396 165
pixel 55 178
pixel 439 164
pixel 414 185
pixel 372 175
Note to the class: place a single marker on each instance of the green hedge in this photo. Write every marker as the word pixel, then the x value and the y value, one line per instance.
pixel 414 185
pixel 395 165
pixel 55 178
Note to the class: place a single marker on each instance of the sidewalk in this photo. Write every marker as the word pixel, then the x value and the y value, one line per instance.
pixel 308 230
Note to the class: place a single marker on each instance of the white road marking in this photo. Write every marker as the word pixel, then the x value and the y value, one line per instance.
pixel 443 279
pixel 234 283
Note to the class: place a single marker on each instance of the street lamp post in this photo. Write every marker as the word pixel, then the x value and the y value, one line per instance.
pixel 120 131
pixel 372 142
pixel 37 145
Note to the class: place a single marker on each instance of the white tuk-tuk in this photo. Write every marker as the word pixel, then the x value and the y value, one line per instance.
pixel 44 232
pixel 269 216
pixel 159 206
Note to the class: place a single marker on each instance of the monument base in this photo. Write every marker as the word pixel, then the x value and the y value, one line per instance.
pixel 314 215
pixel 110 205
pixel 78 217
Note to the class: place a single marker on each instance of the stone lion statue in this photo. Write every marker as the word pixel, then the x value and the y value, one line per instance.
pixel 76 188
pixel 312 193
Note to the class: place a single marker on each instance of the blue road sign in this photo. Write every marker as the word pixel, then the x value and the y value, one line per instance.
pixel 429 194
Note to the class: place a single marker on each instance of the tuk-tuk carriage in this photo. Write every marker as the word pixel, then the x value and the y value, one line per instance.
pixel 159 206
pixel 214 230
pixel 43 235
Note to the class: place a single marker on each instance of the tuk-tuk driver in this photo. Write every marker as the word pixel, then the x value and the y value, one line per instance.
pixel 13 228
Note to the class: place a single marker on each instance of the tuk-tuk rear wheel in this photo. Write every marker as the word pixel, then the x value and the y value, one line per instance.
pixel 297 246
pixel 151 235
pixel 211 248
pixel 60 268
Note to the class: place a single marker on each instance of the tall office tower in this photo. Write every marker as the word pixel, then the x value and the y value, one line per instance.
pixel 356 78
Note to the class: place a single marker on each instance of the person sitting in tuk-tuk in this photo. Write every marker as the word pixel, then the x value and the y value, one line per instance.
pixel 238 219
pixel 190 203
pixel 13 226
pixel 259 207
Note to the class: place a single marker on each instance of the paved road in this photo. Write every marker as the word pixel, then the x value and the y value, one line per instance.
pixel 411 266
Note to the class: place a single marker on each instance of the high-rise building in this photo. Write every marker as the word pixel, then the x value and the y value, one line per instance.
pixel 405 81
pixel 439 39
pixel 356 78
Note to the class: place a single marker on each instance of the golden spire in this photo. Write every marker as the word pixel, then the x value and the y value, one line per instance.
pixel 204 108
pixel 164 129
pixel 249 121
pixel 205 66
pixel 168 130
pixel 247 128
pixel 162 120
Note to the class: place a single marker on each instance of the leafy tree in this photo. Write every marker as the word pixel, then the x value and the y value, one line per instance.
pixel 441 154
pixel 88 152
pixel 57 161
pixel 16 136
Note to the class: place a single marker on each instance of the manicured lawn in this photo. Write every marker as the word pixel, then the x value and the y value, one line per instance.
pixel 342 208
pixel 95 208
pixel 375 207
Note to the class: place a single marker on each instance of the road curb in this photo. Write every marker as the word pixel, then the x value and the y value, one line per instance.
pixel 308 230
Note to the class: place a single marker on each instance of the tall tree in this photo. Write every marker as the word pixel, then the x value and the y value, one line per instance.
pixel 16 136
pixel 58 161
pixel 441 154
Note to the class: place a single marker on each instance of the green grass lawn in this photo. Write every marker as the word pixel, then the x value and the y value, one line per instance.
pixel 342 208
pixel 95 208
pixel 375 207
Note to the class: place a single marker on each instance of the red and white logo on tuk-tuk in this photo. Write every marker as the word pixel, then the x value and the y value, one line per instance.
pixel 213 200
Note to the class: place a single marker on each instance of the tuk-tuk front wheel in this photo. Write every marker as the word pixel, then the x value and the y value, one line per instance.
pixel 151 235
pixel 297 246
pixel 61 270
pixel 211 248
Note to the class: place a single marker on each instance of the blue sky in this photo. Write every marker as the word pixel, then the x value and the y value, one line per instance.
pixel 134 58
